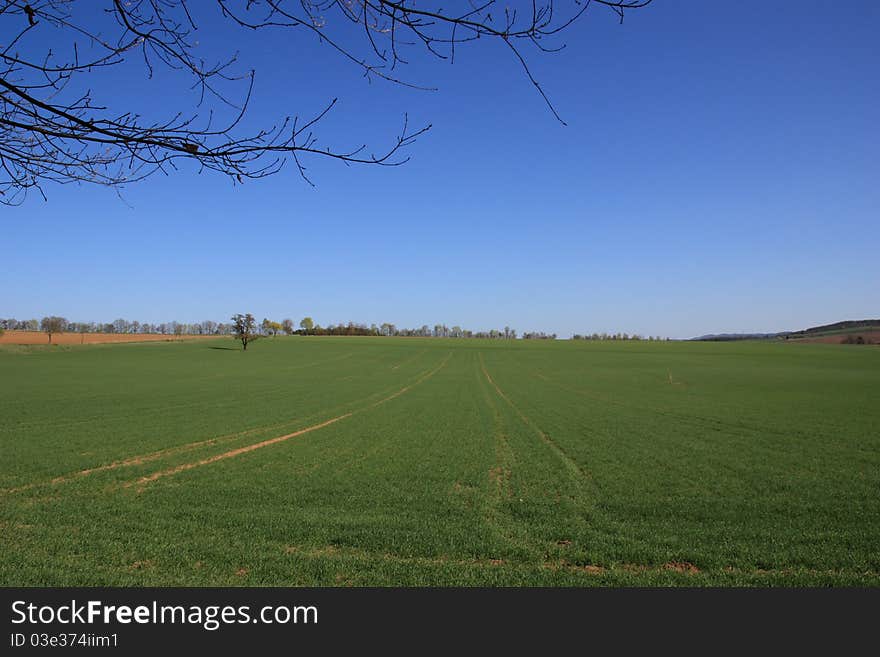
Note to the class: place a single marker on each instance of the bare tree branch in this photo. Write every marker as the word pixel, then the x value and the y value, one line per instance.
pixel 53 129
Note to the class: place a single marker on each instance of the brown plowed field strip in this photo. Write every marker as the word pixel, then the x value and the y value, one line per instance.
pixel 870 337
pixel 38 337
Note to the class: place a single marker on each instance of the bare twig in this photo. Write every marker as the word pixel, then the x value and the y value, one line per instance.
pixel 49 132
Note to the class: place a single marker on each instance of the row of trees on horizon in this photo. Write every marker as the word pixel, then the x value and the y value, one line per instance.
pixel 268 327
pixel 121 326
pixel 617 336
pixel 306 326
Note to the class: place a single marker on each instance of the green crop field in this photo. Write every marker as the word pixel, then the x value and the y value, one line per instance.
pixel 398 461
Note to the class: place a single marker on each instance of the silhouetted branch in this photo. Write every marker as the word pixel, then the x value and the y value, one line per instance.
pixel 53 130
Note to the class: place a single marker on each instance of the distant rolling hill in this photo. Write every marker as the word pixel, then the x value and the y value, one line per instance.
pixel 843 329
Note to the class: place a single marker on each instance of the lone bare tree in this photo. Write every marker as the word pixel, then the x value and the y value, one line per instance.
pixel 56 126
pixel 244 327
pixel 52 325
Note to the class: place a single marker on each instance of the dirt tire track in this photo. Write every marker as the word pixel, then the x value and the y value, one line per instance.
pixel 412 385
pixel 147 479
pixel 233 452
pixel 410 359
pixel 141 459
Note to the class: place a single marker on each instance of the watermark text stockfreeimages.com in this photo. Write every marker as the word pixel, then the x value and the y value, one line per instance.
pixel 209 617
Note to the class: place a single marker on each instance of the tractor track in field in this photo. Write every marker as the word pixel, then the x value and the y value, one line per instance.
pixel 501 488
pixel 131 461
pixel 569 462
pixel 233 452
pixel 582 494
pixel 408 360
pixel 412 385
pixel 159 474
pixel 141 459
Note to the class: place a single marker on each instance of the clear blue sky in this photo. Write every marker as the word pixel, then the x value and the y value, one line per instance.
pixel 719 172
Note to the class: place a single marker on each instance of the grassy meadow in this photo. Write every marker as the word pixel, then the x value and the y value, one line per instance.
pixel 405 461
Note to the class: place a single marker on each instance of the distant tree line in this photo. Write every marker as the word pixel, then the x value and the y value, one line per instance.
pixel 122 326
pixel 306 326
pixel 539 336
pixel 617 336
pixel 268 327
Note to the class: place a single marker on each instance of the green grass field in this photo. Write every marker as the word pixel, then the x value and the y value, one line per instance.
pixel 395 461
